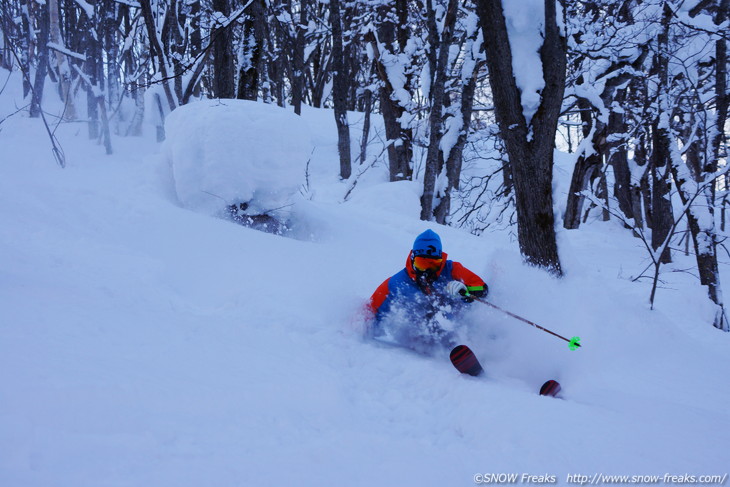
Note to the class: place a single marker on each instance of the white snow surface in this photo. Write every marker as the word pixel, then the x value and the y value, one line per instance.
pixel 145 344
pixel 525 20
pixel 222 152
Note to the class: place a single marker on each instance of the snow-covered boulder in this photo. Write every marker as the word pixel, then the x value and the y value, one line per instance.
pixel 236 156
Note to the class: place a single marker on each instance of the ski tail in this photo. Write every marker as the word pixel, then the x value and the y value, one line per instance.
pixel 550 388
pixel 465 361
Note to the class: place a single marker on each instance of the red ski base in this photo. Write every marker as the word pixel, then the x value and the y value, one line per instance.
pixel 550 388
pixel 465 361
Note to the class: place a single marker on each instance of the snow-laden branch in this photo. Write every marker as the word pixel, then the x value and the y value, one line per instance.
pixel 64 50
pixel 86 7
pixel 129 3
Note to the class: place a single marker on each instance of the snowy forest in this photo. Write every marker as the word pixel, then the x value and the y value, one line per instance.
pixel 636 92
pixel 199 199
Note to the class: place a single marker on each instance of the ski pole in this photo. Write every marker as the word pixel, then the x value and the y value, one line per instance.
pixel 573 343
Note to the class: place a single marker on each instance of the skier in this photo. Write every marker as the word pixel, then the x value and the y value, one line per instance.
pixel 415 307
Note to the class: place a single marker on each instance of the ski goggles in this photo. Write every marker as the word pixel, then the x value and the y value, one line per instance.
pixel 424 264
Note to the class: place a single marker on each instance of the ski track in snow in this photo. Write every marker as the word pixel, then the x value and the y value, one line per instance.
pixel 142 343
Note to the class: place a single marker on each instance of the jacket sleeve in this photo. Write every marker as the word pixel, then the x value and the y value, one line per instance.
pixel 474 284
pixel 378 298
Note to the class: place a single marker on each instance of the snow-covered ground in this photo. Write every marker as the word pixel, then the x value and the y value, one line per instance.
pixel 145 344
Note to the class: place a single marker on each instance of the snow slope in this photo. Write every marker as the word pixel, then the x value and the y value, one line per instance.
pixel 144 344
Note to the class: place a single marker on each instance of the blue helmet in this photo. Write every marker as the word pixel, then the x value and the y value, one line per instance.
pixel 427 244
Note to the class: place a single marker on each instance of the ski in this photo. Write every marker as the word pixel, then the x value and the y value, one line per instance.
pixel 465 361
pixel 550 388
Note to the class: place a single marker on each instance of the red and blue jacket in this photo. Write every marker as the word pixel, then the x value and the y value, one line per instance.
pixel 403 292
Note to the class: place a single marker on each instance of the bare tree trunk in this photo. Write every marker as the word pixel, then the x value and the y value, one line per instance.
pixel 706 248
pixel 318 70
pixel 176 20
pixel 367 108
pixel 339 91
pixel 531 157
pixel 223 69
pixel 278 67
pixel 399 150
pixel 723 98
pixel 398 132
pixel 659 161
pixel 196 41
pixel 433 41
pixel 639 188
pixel 700 218
pixel 661 205
pixel 721 92
pixel 455 159
pixel 110 77
pixel 249 72
pixel 92 68
pixel 405 149
pixel 42 68
pixel 134 128
pixel 106 133
pixel 434 155
pixel 587 164
pixel 399 138
pixel 6 29
pixel 297 80
pixel 92 74
pixel 27 41
pixel 352 54
pixel 157 50
pixel 62 64
pixel 618 159
pixel 603 193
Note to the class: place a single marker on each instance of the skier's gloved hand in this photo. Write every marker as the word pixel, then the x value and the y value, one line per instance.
pixel 456 289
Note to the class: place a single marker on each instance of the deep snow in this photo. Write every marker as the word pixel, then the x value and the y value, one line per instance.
pixel 142 343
